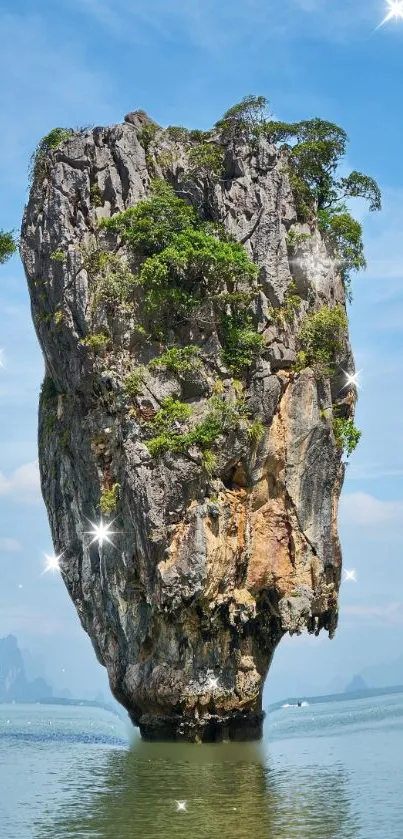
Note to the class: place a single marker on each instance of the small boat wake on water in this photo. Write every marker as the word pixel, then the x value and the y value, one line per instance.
pixel 296 705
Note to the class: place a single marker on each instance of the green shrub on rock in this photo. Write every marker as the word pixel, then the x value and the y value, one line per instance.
pixel 97 343
pixel 150 226
pixel 321 336
pixel 347 434
pixel 109 499
pixel 38 162
pixel 178 360
pixel 242 344
pixel 8 246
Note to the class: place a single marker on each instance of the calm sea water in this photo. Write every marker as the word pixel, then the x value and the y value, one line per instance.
pixel 323 772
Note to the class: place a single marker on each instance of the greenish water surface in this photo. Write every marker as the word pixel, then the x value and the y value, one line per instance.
pixel 323 772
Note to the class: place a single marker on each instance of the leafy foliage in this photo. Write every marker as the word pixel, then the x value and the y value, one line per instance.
pixel 321 336
pixel 37 166
pixel 173 435
pixel 209 461
pixel 347 434
pixel 97 343
pixel 58 256
pixel 177 359
pixel 194 266
pixel 133 383
pixel 8 246
pixel 256 431
pixel 242 120
pixel 185 262
pixel 207 159
pixel 199 136
pixel 314 154
pixel 151 226
pixel 242 344
pixel 172 411
pixel 344 236
pixel 296 238
pixel 177 133
pixel 96 196
pixel 111 280
pixel 109 500
pixel 58 317
pixel 148 134
pixel 287 312
pixel 48 390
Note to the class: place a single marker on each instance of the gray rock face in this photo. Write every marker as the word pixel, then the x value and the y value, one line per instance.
pixel 205 574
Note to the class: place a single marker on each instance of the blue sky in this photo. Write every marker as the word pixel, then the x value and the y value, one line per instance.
pixel 79 62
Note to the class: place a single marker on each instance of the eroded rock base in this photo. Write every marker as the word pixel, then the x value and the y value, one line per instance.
pixel 240 728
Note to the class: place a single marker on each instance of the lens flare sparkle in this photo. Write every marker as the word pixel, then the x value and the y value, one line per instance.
pixel 350 576
pixel 395 12
pixel 352 380
pixel 52 563
pixel 101 533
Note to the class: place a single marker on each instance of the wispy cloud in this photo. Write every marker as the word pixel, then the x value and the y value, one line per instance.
pixel 23 485
pixel 362 509
pixel 374 471
pixel 10 546
pixel 389 614
pixel 211 24
pixel 17 619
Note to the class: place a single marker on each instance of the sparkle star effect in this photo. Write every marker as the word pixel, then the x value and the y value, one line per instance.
pixel 52 563
pixel 350 577
pixel 395 12
pixel 181 805
pixel 212 684
pixel 2 359
pixel 101 533
pixel 352 380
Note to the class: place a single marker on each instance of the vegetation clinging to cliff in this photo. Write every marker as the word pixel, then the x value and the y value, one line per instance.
pixel 37 167
pixel 186 262
pixel 321 336
pixel 8 246
pixel 347 434
pixel 313 150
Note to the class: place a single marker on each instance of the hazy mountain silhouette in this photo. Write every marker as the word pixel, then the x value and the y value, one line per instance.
pixel 14 685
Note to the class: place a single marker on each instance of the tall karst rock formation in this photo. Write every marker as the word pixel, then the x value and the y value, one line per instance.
pixel 174 406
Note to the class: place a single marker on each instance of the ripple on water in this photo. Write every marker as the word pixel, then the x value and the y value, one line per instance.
pixel 309 781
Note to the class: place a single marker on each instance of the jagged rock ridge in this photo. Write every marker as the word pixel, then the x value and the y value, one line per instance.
pixel 207 571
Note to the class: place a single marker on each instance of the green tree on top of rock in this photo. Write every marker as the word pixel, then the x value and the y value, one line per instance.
pixel 313 150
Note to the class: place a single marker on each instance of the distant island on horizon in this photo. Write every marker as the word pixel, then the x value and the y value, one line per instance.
pixel 363 693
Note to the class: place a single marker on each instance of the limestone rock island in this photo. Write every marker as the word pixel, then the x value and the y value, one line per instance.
pixel 188 293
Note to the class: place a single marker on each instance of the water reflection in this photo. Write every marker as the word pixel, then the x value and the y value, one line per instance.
pixel 231 792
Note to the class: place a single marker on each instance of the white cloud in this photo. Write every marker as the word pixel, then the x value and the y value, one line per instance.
pixel 360 508
pixel 391 613
pixel 8 545
pixel 373 471
pixel 211 24
pixel 17 619
pixel 23 485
